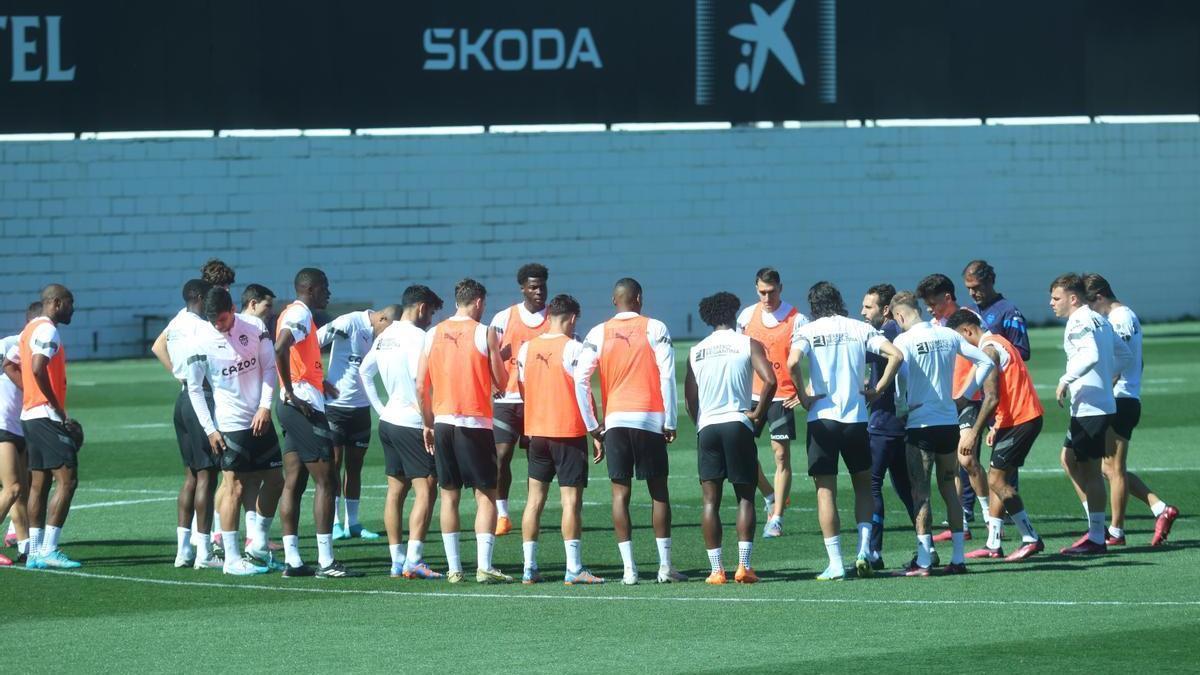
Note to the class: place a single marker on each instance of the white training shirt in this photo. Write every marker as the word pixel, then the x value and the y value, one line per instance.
pixel 836 347
pixel 240 366
pixel 297 319
pixel 1094 356
pixel 664 355
pixel 349 339
pixel 1128 329
pixel 45 340
pixel 395 357
pixel 180 332
pixel 481 343
pixel 11 397
pixel 500 324
pixel 925 382
pixel 724 378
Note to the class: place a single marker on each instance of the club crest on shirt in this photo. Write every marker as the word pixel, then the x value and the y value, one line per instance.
pixel 244 339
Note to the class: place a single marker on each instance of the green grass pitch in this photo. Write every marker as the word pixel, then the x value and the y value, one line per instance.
pixel 128 609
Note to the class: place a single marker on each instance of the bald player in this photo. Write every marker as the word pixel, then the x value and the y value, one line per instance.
pixel 14 460
pixel 637 382
pixel 459 369
pixel 307 438
pixel 771 322
pixel 52 438
pixel 514 326
pixel 349 338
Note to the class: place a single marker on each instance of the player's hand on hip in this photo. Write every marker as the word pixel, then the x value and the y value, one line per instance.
pixel 216 442
pixel 298 403
pixel 330 390
pixel 807 400
pixel 262 419
pixel 791 402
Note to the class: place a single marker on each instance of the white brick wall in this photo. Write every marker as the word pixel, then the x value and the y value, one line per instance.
pixel 125 223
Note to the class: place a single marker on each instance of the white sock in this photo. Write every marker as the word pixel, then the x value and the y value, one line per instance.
pixel 233 549
pixel 217 522
pixel 714 560
pixel 995 527
pixel 262 532
pixel 574 555
pixel 450 543
pixel 183 542
pixel 1096 527
pixel 416 551
pixel 983 505
pixel 195 523
pixel 352 512
pixel 203 543
pixel 325 549
pixel 483 550
pixel 12 529
pixel 833 546
pixel 50 539
pixel 529 548
pixel 769 501
pixel 1116 532
pixel 291 550
pixel 1158 508
pixel 397 551
pixel 337 510
pixel 664 551
pixel 626 549
pixel 958 538
pixel 744 550
pixel 925 550
pixel 864 539
pixel 501 508
pixel 251 524
pixel 1086 512
pixel 1028 534
pixel 23 546
pixel 35 541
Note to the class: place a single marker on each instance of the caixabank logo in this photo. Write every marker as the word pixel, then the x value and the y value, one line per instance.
pixel 761 47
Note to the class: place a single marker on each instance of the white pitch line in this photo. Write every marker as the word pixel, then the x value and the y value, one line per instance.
pixel 629 598
pixel 126 502
pixel 148 425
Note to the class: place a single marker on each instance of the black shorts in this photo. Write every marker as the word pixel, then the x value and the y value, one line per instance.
pixel 350 426
pixel 194 447
pixel 309 437
pixel 969 414
pixel 827 438
pixel 727 450
pixel 780 420
pixel 566 458
pixel 939 440
pixel 635 453
pixel 15 439
pixel 246 453
pixel 49 444
pixel 465 457
pixel 1088 437
pixel 508 420
pixel 404 452
pixel 1129 413
pixel 1014 443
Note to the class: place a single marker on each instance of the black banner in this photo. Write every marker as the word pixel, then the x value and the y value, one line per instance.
pixel 95 65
